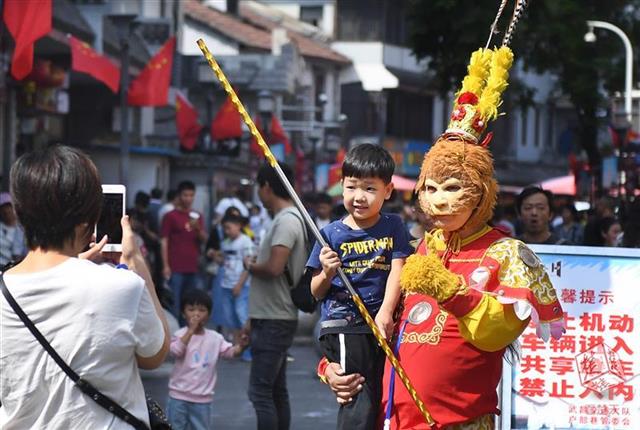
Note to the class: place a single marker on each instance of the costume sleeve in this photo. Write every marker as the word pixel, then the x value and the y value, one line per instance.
pixel 519 290
pixel 490 325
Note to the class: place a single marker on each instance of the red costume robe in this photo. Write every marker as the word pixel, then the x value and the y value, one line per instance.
pixel 452 352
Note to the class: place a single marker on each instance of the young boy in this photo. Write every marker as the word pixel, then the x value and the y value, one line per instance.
pixel 196 350
pixel 234 285
pixel 370 247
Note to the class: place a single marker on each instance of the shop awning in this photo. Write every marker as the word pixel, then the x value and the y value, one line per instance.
pixel 565 185
pixel 374 76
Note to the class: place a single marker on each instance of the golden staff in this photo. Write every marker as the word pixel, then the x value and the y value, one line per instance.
pixel 274 163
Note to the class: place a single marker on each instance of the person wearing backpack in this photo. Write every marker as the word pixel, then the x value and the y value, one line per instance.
pixel 273 317
pixel 371 247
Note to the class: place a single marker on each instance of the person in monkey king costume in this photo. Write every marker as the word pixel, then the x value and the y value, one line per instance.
pixel 470 290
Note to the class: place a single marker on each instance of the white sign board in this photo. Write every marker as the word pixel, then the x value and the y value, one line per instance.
pixel 588 379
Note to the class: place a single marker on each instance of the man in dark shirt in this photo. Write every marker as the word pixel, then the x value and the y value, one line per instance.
pixel 535 209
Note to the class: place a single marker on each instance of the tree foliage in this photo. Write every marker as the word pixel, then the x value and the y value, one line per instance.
pixel 549 38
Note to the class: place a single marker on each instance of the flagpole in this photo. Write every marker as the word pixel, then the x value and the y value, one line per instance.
pixel 316 232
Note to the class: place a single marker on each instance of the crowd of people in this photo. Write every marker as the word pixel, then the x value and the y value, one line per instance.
pixel 229 276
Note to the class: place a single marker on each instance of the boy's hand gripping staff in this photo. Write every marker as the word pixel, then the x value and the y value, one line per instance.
pixel 273 162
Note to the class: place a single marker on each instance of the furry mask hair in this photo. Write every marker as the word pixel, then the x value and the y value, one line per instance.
pixel 452 157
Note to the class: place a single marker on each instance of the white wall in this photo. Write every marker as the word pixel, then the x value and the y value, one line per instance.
pixel 145 171
pixel 292 8
pixel 151 8
pixel 218 45
pixel 361 52
pixel 401 58
pixel 329 19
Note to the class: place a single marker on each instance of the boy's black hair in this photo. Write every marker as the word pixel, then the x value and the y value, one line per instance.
pixel 156 193
pixel 195 296
pixel 368 161
pixel 233 218
pixel 186 185
pixel 529 191
pixel 268 175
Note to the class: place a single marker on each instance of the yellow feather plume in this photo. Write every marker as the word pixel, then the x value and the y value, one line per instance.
pixel 477 72
pixel 490 101
pixel 425 274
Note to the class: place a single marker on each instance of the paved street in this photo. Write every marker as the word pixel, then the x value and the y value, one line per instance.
pixel 313 407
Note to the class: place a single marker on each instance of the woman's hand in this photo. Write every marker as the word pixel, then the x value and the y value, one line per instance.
pixel 94 253
pixel 130 248
pixel 343 386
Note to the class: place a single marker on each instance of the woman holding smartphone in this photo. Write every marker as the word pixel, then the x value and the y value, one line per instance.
pixel 103 321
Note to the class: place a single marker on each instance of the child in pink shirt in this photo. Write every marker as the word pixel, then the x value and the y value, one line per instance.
pixel 196 350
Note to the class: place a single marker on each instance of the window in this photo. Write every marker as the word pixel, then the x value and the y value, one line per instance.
pixel 311 15
pixel 358 21
pixel 360 109
pixel 409 115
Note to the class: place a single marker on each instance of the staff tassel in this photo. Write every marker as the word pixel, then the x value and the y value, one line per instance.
pixel 274 163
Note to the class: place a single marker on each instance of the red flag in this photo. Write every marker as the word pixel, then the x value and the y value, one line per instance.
pixel 151 87
pixel 27 21
pixel 277 135
pixel 84 59
pixel 187 122
pixel 335 173
pixel 228 123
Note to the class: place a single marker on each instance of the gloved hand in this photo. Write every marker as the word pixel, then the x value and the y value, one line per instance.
pixel 425 274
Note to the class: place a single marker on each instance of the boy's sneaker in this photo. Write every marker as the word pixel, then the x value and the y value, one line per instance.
pixel 290 358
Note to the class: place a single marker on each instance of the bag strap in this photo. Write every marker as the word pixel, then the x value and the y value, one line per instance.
pixel 83 385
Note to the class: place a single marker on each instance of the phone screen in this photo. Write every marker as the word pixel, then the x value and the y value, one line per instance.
pixel 109 222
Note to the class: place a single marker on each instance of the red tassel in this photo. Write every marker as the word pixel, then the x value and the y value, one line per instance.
pixel 487 140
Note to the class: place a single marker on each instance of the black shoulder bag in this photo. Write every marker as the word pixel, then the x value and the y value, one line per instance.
pixel 301 292
pixel 156 417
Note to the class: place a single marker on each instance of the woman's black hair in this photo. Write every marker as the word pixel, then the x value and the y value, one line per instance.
pixel 574 212
pixel 605 224
pixel 55 190
pixel 368 161
pixel 195 296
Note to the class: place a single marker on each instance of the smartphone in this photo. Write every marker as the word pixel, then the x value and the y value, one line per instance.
pixel 114 199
